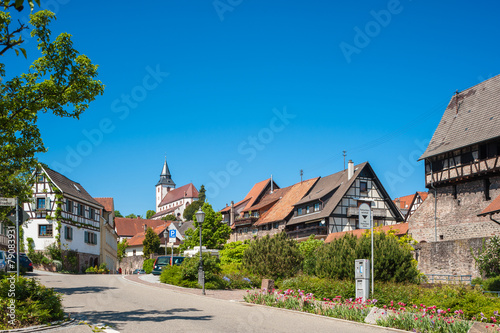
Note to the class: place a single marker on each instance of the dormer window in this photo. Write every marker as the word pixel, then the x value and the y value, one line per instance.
pixel 299 211
pixel 77 188
pixel 316 207
pixel 363 186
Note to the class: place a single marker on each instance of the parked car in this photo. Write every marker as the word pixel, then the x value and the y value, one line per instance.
pixel 163 261
pixel 3 261
pixel 139 271
pixel 26 265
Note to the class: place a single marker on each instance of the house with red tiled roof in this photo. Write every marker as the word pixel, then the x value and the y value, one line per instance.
pixel 408 204
pixel 171 200
pixel 239 216
pixel 135 246
pixel 108 234
pixel 332 204
pixel 127 228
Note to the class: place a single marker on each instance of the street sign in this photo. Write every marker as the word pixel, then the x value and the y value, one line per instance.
pixel 23 216
pixel 365 216
pixel 172 234
pixel 7 201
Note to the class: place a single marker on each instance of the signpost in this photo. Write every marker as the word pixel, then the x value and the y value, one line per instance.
pixel 366 222
pixel 171 238
pixel 7 201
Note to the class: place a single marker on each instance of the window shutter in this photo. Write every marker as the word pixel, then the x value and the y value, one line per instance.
pixel 47 204
pixel 86 237
pixel 33 205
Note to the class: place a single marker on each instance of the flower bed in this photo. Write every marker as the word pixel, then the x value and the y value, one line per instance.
pixel 417 318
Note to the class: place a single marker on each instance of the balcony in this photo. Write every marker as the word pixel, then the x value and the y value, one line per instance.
pixel 376 212
pixel 240 221
pixel 306 232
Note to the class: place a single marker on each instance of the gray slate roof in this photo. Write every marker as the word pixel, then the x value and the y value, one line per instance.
pixel 477 119
pixel 67 186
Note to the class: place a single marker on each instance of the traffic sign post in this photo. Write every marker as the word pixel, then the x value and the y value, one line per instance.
pixel 366 222
pixel 171 239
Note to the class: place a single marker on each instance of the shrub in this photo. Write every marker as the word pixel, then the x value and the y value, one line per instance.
pixel 147 265
pixel 273 257
pixel 54 252
pixel 308 251
pixel 211 266
pixel 492 284
pixel 488 260
pixel 35 304
pixel 171 275
pixel 393 261
pixel 232 253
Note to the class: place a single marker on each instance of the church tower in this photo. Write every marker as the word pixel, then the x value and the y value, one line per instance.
pixel 164 185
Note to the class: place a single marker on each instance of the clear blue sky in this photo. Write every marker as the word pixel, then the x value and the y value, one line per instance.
pixel 369 77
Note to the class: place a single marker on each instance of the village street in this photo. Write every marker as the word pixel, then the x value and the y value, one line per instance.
pixel 128 306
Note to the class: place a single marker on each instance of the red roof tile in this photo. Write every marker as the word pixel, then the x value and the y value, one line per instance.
pixel 139 238
pixel 188 191
pixel 286 204
pixel 107 203
pixel 252 196
pixel 493 207
pixel 126 227
pixel 404 202
pixel 244 201
pixel 402 228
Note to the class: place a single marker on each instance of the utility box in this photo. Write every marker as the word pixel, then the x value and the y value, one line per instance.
pixel 362 275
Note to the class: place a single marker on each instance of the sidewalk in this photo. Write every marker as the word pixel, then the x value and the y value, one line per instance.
pixel 228 295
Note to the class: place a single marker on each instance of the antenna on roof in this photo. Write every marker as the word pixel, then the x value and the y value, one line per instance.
pixel 344 153
pixel 301 174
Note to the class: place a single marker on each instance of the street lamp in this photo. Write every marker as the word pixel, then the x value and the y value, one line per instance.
pixel 200 217
pixel 165 235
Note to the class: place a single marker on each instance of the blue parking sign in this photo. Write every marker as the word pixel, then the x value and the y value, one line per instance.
pixel 172 234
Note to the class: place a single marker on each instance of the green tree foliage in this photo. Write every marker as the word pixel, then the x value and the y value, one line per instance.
pixel 308 251
pixel 151 243
pixel 169 217
pixel 393 261
pixel 273 257
pixel 232 253
pixel 150 213
pixel 214 233
pixel 488 260
pixel 121 247
pixel 131 216
pixel 195 205
pixel 118 214
pixel 147 265
pixel 62 82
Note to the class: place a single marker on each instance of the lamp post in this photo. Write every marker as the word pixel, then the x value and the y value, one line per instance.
pixel 200 217
pixel 165 235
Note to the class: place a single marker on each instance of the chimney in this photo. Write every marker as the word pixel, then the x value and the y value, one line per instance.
pixel 145 227
pixel 231 214
pixel 271 183
pixel 350 169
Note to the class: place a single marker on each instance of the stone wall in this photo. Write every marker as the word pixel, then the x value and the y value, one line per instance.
pixel 129 264
pixel 449 257
pixel 456 218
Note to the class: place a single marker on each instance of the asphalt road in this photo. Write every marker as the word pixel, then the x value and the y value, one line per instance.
pixel 133 307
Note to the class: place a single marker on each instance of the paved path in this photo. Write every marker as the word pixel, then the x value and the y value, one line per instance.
pixel 132 305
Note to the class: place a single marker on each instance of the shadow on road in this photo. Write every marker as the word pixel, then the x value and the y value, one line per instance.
pixel 82 290
pixel 141 315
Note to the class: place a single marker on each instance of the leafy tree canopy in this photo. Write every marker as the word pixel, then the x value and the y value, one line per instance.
pixel 61 81
pixel 169 217
pixel 131 216
pixel 151 243
pixel 118 214
pixel 214 233
pixel 195 205
pixel 150 213
pixel 122 246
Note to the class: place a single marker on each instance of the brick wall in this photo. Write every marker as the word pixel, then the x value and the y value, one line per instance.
pixel 456 218
pixel 449 257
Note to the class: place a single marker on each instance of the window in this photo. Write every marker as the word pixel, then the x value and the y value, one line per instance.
pixel 40 178
pixel 90 237
pixel 92 214
pixel 307 209
pixel 316 207
pixel 40 203
pixel 245 230
pixel 363 186
pixel 487 184
pixel 276 225
pixel 80 210
pixel 45 230
pixel 68 233
pixel 299 211
pixel 69 206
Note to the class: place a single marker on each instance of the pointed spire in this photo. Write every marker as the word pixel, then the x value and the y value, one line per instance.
pixel 166 177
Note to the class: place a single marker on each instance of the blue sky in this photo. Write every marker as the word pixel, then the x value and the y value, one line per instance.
pixel 233 91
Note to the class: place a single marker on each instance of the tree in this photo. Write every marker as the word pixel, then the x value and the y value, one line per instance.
pixel 308 250
pixel 151 243
pixel 169 217
pixel 273 257
pixel 150 213
pixel 488 260
pixel 214 233
pixel 131 216
pixel 195 205
pixel 118 214
pixel 122 246
pixel 61 81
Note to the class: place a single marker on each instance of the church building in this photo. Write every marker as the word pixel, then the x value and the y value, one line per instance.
pixel 171 200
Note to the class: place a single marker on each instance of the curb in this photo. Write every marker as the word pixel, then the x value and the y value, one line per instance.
pixel 41 328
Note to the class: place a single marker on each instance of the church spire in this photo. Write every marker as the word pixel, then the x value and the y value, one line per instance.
pixel 166 177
